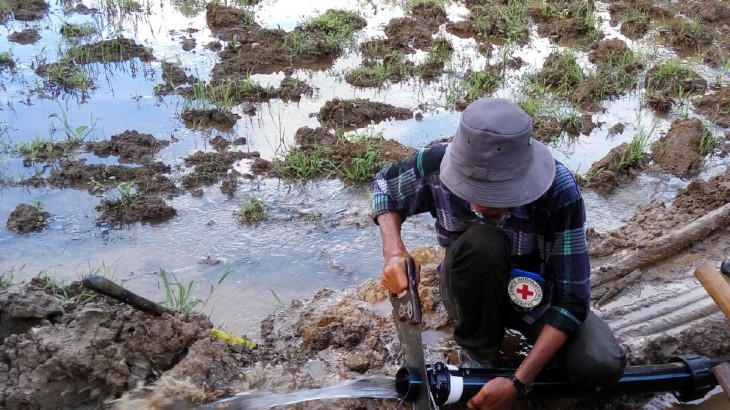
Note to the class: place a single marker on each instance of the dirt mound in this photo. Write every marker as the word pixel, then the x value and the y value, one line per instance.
pixel 114 348
pixel 351 114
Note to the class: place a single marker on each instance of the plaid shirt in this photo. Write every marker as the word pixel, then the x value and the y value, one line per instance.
pixel 547 236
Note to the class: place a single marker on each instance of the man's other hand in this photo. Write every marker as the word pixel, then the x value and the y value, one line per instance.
pixel 497 394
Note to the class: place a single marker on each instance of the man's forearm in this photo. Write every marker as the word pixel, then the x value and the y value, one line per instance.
pixel 390 226
pixel 545 347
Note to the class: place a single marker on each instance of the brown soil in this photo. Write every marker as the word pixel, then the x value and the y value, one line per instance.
pixel 664 88
pixel 129 146
pixel 171 361
pixel 678 150
pixel 292 89
pixel 212 118
pixel 149 178
pixel 210 167
pixel 607 173
pixel 351 114
pixel 137 208
pixel 174 77
pixel 27 10
pixel 635 16
pixel 118 49
pixel 253 49
pixel 564 21
pixel 24 37
pixel 27 218
pixel 715 106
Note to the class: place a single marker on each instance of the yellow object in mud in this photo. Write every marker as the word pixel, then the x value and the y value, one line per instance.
pixel 230 339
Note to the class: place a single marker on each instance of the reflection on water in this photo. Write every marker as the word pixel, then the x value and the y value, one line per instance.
pixel 318 235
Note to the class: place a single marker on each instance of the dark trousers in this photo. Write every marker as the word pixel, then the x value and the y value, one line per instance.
pixel 473 281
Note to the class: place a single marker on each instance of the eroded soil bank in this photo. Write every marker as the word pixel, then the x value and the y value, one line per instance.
pixel 125 358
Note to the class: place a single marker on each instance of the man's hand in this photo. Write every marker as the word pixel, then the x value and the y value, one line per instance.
pixel 497 394
pixel 394 277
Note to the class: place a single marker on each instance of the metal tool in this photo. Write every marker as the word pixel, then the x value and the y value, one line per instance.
pixel 407 315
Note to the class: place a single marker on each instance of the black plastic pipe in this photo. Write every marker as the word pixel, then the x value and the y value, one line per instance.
pixel 688 377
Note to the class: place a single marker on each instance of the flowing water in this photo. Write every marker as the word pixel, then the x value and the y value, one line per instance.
pixel 373 387
pixel 318 235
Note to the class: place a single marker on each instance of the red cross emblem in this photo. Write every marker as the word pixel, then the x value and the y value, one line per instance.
pixel 525 291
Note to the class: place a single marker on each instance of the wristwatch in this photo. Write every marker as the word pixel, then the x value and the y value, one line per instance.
pixel 522 388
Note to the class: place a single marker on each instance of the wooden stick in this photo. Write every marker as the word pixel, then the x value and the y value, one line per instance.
pixel 663 247
pixel 722 374
pixel 716 285
pixel 719 289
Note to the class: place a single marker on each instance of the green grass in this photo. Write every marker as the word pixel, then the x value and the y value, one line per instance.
pixel 531 105
pixel 300 164
pixel 509 22
pixel 5 7
pixel 251 211
pixel 328 33
pixel 178 296
pixel 480 83
pixel 378 72
pixel 225 94
pixel 363 167
pixel 668 76
pixel 620 72
pixel 636 153
pixel 6 57
pixel 78 31
pixel 707 141
pixel 517 21
pixel 124 192
pixel 67 75
pixel 441 49
pixel 570 119
pixel 36 149
pixel 58 289
pixel 181 296
pixel 7 276
pixel 560 72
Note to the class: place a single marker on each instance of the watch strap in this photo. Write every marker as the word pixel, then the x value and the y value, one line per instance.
pixel 522 388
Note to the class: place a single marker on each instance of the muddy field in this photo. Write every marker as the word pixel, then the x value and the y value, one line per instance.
pixel 672 59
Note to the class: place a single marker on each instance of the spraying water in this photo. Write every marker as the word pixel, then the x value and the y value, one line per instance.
pixel 376 387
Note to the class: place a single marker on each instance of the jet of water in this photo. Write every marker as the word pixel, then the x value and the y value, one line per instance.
pixel 376 387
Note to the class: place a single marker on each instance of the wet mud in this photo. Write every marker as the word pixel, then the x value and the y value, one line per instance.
pixel 123 358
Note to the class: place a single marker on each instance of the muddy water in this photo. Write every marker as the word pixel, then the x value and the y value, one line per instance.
pixel 317 235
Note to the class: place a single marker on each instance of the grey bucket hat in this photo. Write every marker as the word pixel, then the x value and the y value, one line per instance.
pixel 493 160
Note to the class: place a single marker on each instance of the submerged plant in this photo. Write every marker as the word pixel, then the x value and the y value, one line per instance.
pixel 36 149
pixel 6 57
pixel 251 211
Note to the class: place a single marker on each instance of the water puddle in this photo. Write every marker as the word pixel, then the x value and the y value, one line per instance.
pixel 317 235
pixel 373 387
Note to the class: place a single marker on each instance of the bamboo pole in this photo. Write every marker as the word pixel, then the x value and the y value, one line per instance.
pixel 716 284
